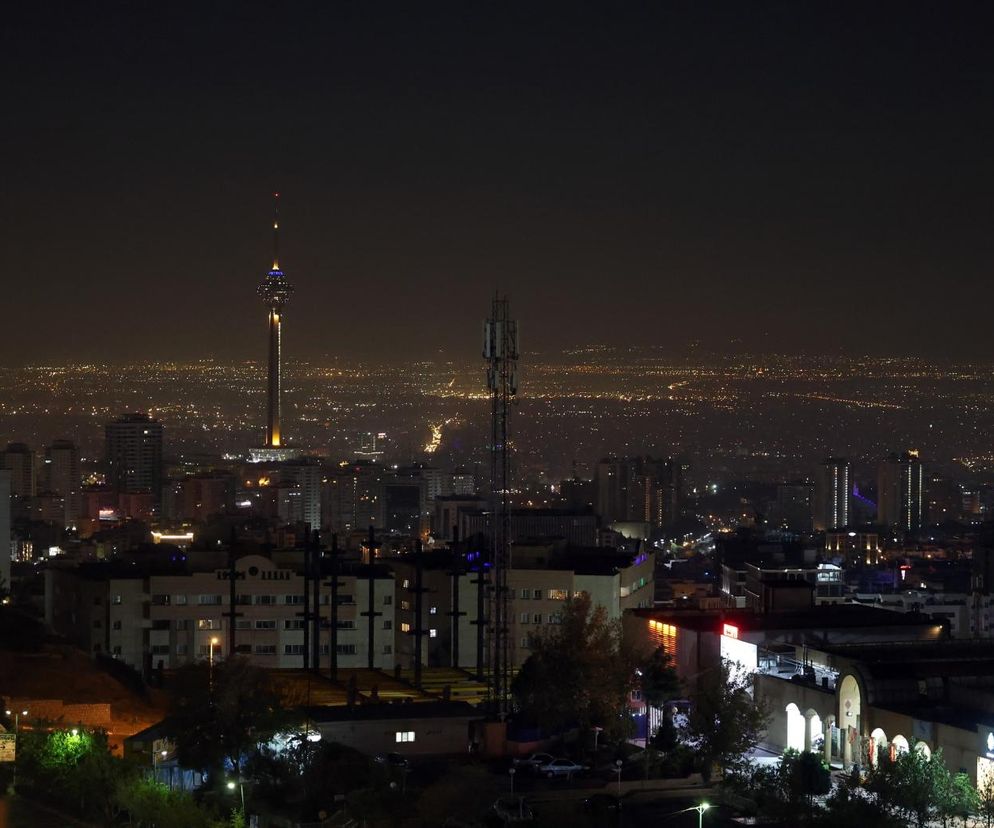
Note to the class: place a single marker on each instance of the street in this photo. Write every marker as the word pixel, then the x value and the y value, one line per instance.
pixel 20 813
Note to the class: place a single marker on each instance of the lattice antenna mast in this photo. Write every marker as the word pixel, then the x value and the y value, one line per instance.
pixel 500 350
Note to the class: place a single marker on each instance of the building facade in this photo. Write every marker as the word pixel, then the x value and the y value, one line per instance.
pixel 166 619
pixel 134 455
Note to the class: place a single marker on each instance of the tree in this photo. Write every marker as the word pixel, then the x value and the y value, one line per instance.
pixel 787 790
pixel 658 678
pixel 913 787
pixel 150 803
pixel 725 722
pixel 309 773
pixel 956 797
pixel 579 672
pixel 849 804
pixel 985 800
pixel 219 715
pixel 74 768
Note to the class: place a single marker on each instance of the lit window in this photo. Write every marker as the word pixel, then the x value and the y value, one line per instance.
pixel 405 627
pixel 433 633
pixel 404 736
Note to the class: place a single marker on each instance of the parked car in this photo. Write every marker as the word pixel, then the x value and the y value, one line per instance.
pixel 561 767
pixel 533 762
pixel 392 760
pixel 601 803
pixel 513 809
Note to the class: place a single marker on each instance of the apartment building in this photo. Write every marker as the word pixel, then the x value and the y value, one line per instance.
pixel 165 615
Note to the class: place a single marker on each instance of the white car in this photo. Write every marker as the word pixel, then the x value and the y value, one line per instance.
pixel 533 762
pixel 561 767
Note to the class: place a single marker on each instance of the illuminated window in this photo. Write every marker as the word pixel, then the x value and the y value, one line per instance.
pixel 404 736
pixel 663 635
pixel 405 627
pixel 433 633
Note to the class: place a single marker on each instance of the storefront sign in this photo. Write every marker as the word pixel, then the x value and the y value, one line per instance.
pixel 8 746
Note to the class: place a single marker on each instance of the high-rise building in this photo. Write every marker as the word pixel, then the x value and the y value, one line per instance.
pixel 463 482
pixel 833 489
pixel 19 460
pixel 793 506
pixel 639 489
pixel 63 478
pixel 351 498
pixel 275 291
pixel 307 476
pixel 134 455
pixel 901 491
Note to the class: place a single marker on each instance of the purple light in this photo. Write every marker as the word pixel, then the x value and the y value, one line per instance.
pixel 858 496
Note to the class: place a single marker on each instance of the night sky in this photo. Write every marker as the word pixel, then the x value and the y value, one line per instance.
pixel 779 177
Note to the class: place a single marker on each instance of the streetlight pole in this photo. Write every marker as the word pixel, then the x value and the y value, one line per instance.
pixel 511 774
pixel 617 769
pixel 700 813
pixel 241 790
pixel 17 729
pixel 210 669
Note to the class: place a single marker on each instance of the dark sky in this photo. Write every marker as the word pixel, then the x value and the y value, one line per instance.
pixel 776 176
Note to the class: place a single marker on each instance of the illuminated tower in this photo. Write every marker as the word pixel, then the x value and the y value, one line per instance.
pixel 275 291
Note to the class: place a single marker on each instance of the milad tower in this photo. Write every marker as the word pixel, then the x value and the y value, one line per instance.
pixel 275 291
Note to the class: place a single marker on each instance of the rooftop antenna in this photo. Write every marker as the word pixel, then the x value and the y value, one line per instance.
pixel 276 231
pixel 500 350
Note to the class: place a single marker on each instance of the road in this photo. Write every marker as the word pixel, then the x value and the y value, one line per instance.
pixel 19 813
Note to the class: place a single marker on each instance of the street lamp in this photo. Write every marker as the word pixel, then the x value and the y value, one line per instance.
pixel 511 774
pixel 210 668
pixel 155 760
pixel 700 813
pixel 17 727
pixel 617 769
pixel 241 788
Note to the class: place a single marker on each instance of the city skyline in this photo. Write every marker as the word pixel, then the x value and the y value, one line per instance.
pixel 771 179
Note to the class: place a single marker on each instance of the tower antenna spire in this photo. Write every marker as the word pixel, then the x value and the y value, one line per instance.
pixel 276 231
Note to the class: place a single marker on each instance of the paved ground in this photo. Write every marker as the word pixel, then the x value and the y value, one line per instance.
pixel 19 813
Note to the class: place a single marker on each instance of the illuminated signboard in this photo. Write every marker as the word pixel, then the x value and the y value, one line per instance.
pixel 730 631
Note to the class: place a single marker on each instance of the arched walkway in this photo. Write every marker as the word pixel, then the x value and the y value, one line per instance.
pixel 815 731
pixel 900 745
pixel 795 728
pixel 878 742
pixel 850 710
pixel 923 749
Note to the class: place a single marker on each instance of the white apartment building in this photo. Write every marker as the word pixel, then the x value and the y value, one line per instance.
pixel 166 619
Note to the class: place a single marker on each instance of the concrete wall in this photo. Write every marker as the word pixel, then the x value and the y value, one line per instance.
pixel 440 736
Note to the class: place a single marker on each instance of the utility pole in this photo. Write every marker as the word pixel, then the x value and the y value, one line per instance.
pixel 371 612
pixel 316 604
pixel 419 631
pixel 334 607
pixel 456 572
pixel 233 576
pixel 305 616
